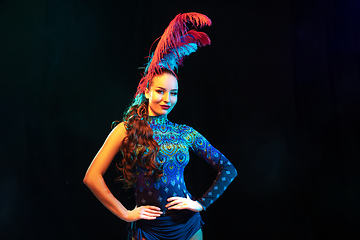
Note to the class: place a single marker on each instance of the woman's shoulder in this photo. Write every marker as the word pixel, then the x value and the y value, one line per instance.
pixel 115 123
pixel 118 127
pixel 183 128
pixel 187 130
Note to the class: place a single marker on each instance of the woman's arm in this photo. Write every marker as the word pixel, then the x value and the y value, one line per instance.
pixel 226 171
pixel 95 181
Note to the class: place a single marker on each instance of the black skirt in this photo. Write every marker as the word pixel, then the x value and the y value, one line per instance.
pixel 179 225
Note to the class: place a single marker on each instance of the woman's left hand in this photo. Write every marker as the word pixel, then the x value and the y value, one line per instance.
pixel 180 203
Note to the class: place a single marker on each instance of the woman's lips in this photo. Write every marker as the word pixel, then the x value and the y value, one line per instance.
pixel 166 107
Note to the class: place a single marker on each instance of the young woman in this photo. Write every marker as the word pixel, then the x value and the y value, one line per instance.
pixel 156 151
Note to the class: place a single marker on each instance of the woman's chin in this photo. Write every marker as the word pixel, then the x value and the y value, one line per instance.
pixel 159 111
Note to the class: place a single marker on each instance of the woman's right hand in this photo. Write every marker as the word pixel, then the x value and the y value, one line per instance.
pixel 143 212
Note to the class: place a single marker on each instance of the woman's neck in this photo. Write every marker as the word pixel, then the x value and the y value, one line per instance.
pixel 160 119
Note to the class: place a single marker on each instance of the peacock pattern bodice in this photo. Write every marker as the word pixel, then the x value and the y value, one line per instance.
pixel 175 141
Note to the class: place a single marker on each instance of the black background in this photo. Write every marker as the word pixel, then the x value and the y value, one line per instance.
pixel 277 92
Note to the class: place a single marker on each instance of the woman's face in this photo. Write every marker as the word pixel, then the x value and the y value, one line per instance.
pixel 162 95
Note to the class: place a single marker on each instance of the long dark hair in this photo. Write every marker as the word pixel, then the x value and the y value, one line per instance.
pixel 139 147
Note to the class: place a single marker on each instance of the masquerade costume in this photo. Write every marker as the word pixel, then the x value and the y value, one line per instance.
pixel 174 142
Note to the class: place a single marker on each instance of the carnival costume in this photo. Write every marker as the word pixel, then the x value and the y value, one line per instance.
pixel 174 142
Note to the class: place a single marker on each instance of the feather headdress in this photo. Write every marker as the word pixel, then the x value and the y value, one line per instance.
pixel 174 45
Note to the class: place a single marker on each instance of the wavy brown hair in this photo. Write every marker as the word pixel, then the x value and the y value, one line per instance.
pixel 139 147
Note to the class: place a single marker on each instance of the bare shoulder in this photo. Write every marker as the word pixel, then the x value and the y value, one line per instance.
pixel 120 127
pixel 119 131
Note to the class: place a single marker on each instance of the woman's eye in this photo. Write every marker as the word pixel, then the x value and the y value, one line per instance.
pixel 159 91
pixel 174 93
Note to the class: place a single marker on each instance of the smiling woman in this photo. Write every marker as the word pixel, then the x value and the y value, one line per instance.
pixel 156 151
pixel 162 94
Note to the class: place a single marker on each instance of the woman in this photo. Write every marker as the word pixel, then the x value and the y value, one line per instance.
pixel 156 151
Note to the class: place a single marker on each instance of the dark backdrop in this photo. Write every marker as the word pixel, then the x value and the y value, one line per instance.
pixel 277 92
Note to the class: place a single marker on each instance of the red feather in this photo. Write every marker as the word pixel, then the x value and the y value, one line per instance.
pixel 174 36
pixel 173 33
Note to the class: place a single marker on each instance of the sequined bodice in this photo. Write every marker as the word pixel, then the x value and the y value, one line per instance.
pixel 175 140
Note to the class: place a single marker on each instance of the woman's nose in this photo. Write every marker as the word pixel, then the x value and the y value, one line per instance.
pixel 166 97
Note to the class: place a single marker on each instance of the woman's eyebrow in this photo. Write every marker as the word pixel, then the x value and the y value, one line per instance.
pixel 165 89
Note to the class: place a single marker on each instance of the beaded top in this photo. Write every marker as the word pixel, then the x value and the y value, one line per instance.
pixel 162 119
pixel 174 141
